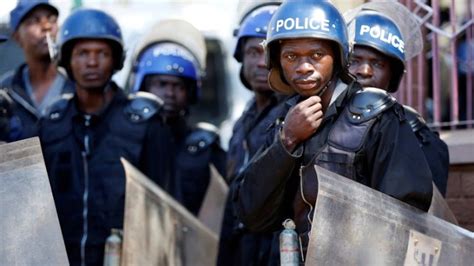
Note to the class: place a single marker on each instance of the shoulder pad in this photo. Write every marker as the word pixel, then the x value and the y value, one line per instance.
pixel 57 110
pixel 368 103
pixel 414 118
pixel 202 137
pixel 7 79
pixel 142 106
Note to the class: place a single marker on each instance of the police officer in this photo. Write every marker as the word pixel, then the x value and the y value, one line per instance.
pixel 167 68
pixel 237 245
pixel 378 60
pixel 86 133
pixel 329 121
pixel 34 85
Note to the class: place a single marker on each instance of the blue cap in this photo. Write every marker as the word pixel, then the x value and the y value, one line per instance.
pixel 24 7
pixel 3 38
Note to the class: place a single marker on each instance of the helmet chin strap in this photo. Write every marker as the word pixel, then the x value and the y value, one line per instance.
pixel 321 93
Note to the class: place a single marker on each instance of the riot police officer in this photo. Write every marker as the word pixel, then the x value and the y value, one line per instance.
pixel 86 133
pixel 172 69
pixel 237 246
pixel 34 85
pixel 329 121
pixel 379 62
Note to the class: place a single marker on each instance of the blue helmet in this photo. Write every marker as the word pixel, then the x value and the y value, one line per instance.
pixel 253 25
pixel 90 24
pixel 304 19
pixel 168 58
pixel 375 30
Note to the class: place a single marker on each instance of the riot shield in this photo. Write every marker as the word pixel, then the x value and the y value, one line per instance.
pixel 439 207
pixel 356 225
pixel 177 31
pixel 29 227
pixel 245 7
pixel 213 205
pixel 160 231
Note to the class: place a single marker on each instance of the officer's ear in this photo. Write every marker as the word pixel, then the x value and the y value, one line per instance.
pixel 16 37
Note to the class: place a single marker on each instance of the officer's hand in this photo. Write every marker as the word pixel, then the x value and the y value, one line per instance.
pixel 301 122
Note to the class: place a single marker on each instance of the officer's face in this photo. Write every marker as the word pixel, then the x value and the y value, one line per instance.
pixel 31 34
pixel 307 64
pixel 171 89
pixel 253 64
pixel 92 64
pixel 372 68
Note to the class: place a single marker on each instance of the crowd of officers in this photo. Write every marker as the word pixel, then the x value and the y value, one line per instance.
pixel 317 100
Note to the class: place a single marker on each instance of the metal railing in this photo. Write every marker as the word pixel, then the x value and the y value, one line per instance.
pixel 439 82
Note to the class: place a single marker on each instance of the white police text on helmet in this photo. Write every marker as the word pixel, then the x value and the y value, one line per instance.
pixel 306 23
pixel 377 33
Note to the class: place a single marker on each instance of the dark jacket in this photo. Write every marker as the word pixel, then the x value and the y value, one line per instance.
pixel 237 245
pixel 82 155
pixel 436 151
pixel 196 148
pixel 23 116
pixel 272 187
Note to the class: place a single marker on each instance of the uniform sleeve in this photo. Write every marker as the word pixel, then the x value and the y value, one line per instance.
pixel 437 156
pixel 262 187
pixel 219 159
pixel 157 160
pixel 397 164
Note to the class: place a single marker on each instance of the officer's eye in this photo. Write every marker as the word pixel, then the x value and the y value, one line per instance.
pixel 318 55
pixel 52 18
pixel 252 52
pixel 82 53
pixel 353 61
pixel 32 20
pixel 290 56
pixel 104 54
pixel 378 64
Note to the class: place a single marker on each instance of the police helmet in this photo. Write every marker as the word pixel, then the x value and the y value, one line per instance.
pixel 377 31
pixel 168 58
pixel 254 25
pixel 90 24
pixel 304 19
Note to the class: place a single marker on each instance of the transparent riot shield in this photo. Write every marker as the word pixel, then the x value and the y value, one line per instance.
pixel 29 227
pixel 245 7
pixel 160 231
pixel 356 225
pixel 176 31
pixel 439 207
pixel 213 205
